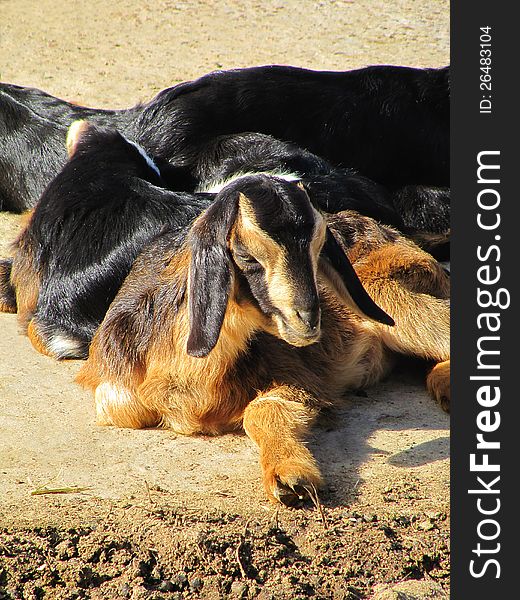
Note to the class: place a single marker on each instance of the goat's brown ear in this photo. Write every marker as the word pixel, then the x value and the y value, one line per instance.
pixel 337 269
pixel 211 272
pixel 74 134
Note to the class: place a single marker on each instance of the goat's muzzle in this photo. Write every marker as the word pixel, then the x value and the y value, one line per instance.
pixel 301 328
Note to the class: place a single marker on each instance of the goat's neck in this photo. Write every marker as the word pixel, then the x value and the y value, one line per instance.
pixel 241 321
pixel 237 330
pixel 240 324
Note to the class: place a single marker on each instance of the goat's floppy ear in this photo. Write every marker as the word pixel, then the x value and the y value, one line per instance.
pixel 336 267
pixel 74 134
pixel 210 274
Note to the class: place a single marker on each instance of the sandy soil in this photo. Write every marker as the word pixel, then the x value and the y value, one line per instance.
pixel 162 516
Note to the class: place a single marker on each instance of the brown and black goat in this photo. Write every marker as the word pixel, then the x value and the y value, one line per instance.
pixel 255 318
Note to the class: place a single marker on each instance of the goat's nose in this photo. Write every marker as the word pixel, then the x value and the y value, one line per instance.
pixel 310 318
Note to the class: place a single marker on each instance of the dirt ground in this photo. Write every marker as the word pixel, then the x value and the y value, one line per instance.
pixel 154 515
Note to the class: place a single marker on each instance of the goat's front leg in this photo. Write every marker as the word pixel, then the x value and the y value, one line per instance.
pixel 277 421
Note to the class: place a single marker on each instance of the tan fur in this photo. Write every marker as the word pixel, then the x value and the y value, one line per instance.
pixel 270 255
pixel 118 406
pixel 439 384
pixel 25 277
pixel 24 220
pixel 278 422
pixel 273 257
pixel 276 394
pixel 411 286
pixel 35 338
pixel 209 410
pixel 6 307
pixel 7 300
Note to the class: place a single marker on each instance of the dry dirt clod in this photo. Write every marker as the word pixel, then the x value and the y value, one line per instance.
pixel 410 590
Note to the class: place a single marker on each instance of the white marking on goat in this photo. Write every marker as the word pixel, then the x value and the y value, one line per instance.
pixel 215 186
pixel 76 129
pixel 61 346
pixel 147 158
pixel 108 396
pixel 107 393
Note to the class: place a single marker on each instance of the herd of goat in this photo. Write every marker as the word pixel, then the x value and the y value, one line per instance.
pixel 237 252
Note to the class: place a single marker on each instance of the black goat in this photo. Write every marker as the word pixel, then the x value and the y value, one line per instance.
pixel 83 236
pixel 410 209
pixel 33 128
pixel 391 124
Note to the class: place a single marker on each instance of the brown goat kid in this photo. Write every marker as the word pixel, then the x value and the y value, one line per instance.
pixel 256 319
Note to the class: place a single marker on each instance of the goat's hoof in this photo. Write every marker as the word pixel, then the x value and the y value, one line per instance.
pixel 291 484
pixel 290 495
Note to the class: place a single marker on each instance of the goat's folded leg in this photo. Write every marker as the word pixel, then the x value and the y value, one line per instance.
pixel 414 289
pixel 277 421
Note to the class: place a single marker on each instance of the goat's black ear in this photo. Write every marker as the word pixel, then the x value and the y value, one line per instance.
pixel 336 267
pixel 211 274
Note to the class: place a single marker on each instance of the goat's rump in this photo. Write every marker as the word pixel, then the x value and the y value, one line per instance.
pixel 390 123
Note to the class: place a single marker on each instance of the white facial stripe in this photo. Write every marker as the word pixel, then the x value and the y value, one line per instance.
pixel 148 160
pixel 214 187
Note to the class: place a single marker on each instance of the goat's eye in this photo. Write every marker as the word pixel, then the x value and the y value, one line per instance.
pixel 246 259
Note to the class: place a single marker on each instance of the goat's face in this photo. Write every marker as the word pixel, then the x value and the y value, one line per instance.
pixel 275 245
pixel 262 242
